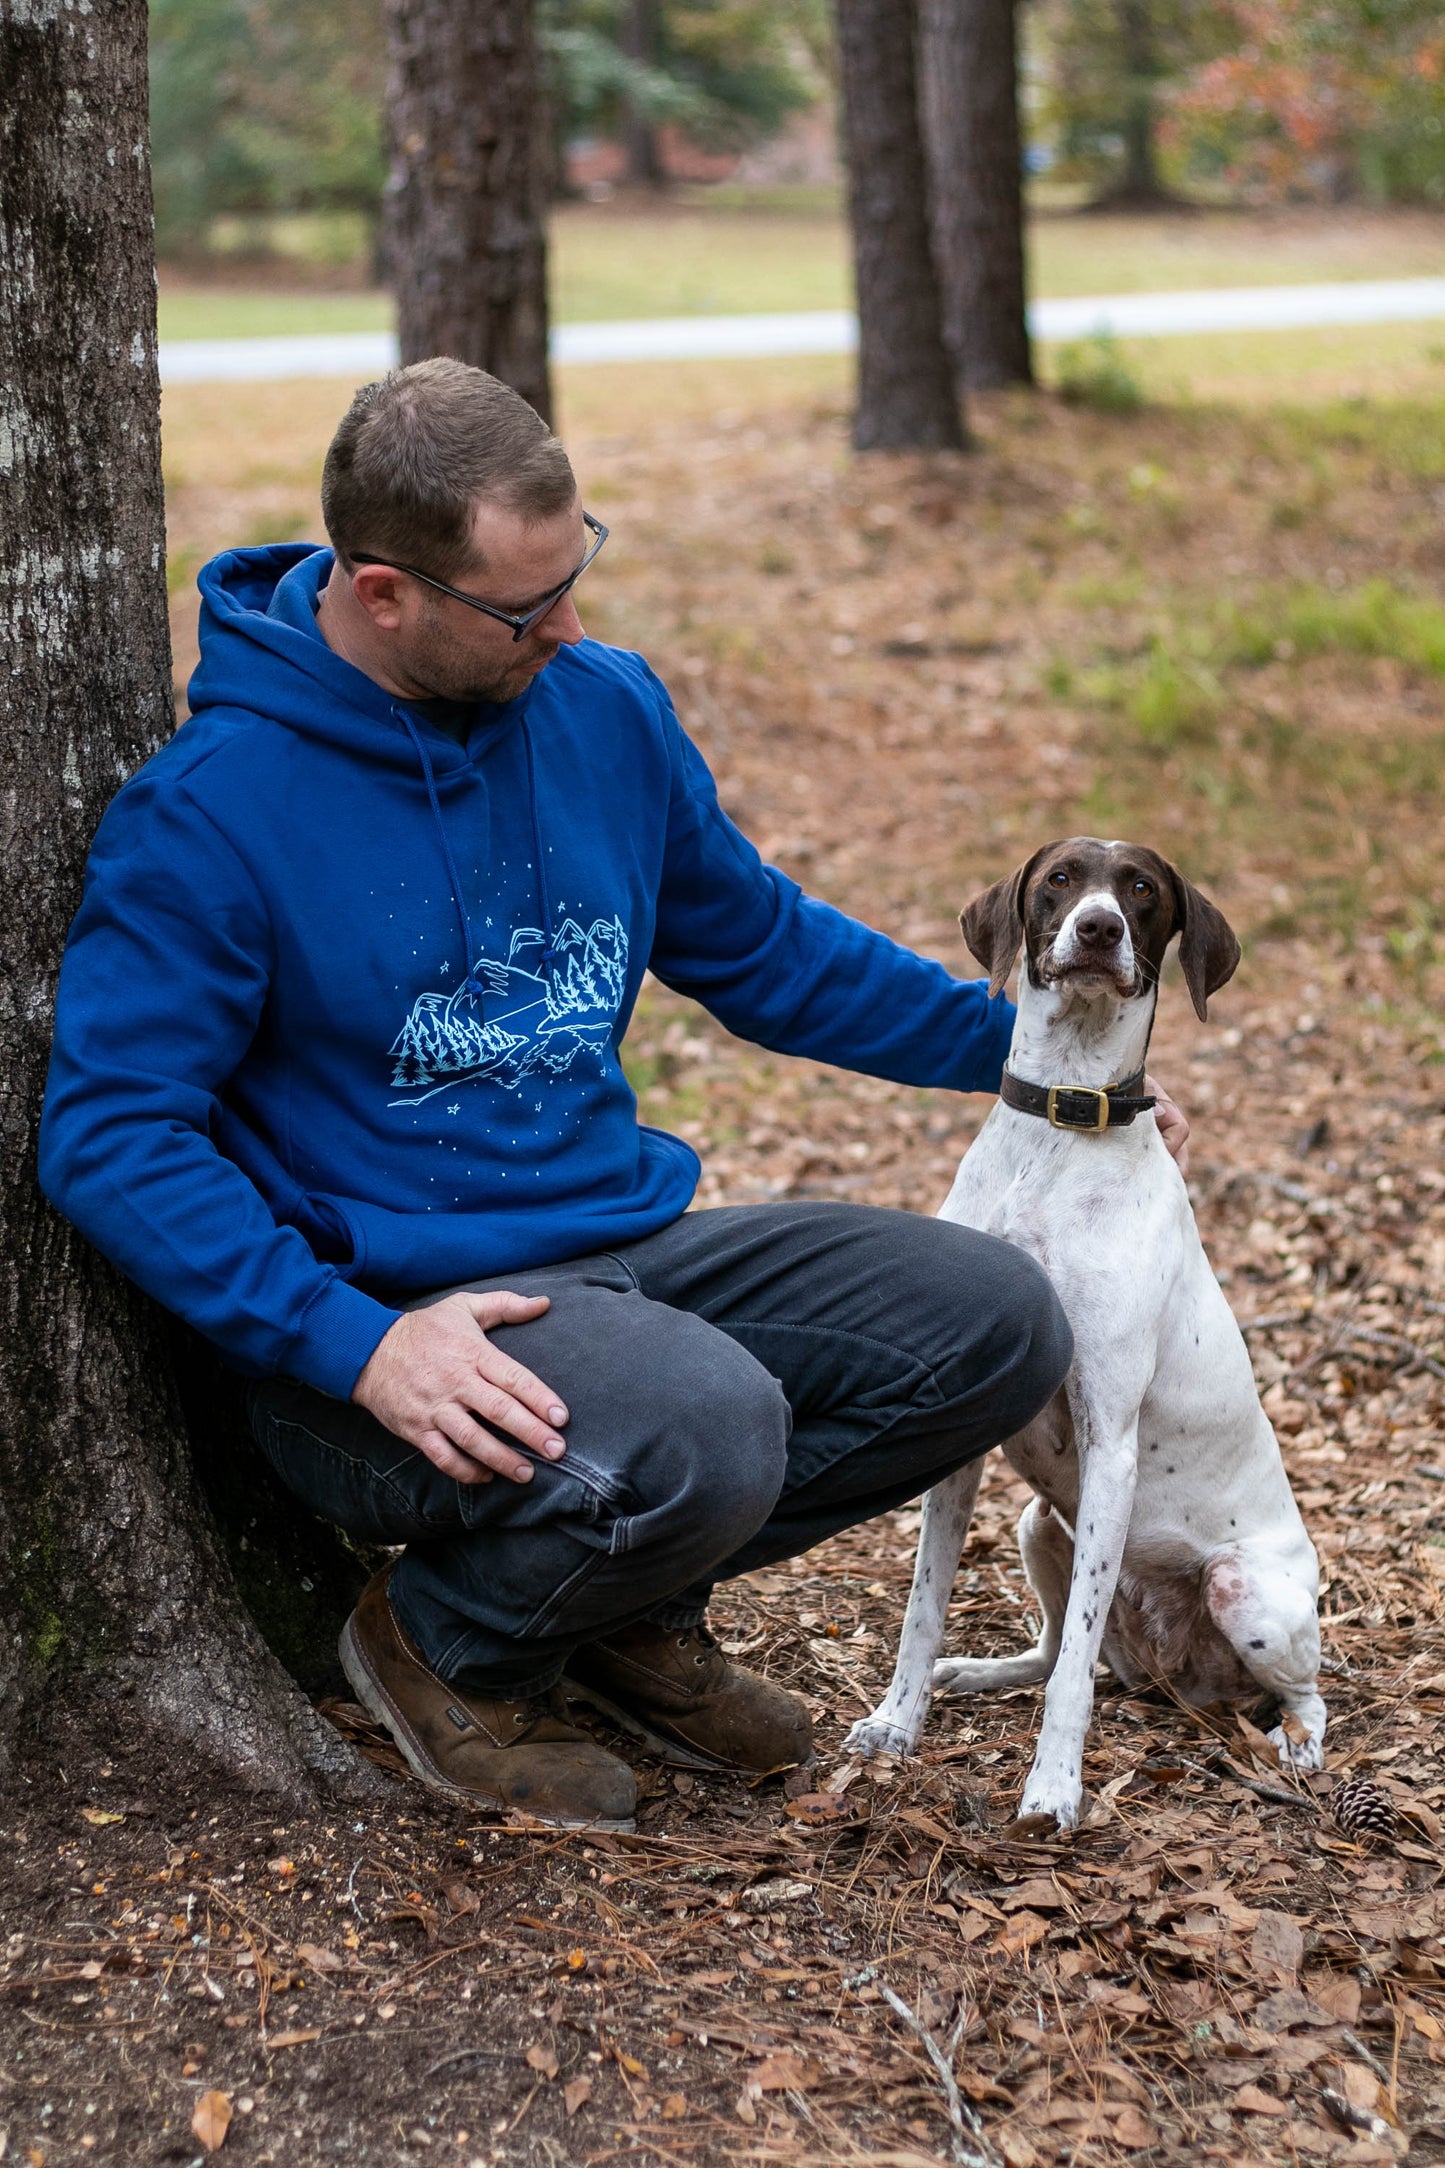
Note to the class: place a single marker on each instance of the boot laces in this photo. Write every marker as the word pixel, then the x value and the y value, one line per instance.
pixel 705 1640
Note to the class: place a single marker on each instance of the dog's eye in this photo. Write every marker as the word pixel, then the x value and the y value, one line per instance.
pixel 1143 888
pixel 1058 878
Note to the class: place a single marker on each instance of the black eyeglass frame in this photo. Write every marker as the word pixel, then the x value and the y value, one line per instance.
pixel 521 626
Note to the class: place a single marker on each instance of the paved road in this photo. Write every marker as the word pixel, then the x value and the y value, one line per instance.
pixel 833 331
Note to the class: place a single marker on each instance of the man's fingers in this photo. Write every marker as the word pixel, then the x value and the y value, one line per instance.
pixel 443 1455
pixel 500 1370
pixel 500 1306
pixel 1173 1124
pixel 480 1447
pixel 505 1413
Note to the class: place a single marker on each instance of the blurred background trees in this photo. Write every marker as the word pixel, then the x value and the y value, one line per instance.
pixel 723 73
pixel 264 107
pixel 264 110
pixel 1307 98
pixel 1253 100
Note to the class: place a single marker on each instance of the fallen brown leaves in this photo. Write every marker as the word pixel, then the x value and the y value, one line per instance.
pixel 212 2120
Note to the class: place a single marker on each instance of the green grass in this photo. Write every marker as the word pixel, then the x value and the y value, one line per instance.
pixel 241 312
pixel 1094 373
pixel 1101 255
pixel 1173 692
pixel 1375 620
pixel 611 262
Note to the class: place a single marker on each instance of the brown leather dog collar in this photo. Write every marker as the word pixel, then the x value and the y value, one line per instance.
pixel 1086 1107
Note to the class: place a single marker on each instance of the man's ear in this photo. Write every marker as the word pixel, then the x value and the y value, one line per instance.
pixel 1208 952
pixel 993 924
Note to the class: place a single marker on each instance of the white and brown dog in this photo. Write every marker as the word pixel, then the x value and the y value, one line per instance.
pixel 1163 1533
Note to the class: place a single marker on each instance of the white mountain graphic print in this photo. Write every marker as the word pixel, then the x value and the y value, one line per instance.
pixel 528 1021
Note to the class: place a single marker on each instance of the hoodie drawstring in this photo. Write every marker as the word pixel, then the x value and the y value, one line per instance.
pixel 549 953
pixel 471 988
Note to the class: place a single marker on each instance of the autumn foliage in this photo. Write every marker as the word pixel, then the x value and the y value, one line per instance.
pixel 1317 98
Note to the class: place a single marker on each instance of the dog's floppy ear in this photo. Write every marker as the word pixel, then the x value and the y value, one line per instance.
pixel 993 924
pixel 1208 952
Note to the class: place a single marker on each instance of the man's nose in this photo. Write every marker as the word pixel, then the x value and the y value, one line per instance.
pixel 562 627
pixel 1099 930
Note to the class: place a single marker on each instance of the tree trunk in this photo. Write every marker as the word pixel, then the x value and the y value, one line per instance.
pixel 466 196
pixel 116 1604
pixel 907 398
pixel 639 42
pixel 1139 187
pixel 968 79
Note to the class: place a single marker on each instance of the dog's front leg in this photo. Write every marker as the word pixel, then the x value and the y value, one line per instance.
pixel 897 1722
pixel 1108 1449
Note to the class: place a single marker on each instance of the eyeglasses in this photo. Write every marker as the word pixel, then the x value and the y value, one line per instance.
pixel 521 626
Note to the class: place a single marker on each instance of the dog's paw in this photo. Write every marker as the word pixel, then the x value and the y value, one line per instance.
pixel 1305 1754
pixel 958 1675
pixel 1050 1800
pixel 876 1735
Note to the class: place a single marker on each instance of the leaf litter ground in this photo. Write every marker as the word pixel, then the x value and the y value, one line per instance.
pixel 907 675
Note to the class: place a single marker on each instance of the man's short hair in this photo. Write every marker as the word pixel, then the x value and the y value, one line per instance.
pixel 416 453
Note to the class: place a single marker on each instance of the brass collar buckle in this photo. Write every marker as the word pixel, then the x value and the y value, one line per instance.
pixel 1077 1106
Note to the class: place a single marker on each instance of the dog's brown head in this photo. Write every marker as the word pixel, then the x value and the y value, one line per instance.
pixel 1100 915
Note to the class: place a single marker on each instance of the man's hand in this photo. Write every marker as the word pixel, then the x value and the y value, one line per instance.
pixel 436 1371
pixel 1173 1127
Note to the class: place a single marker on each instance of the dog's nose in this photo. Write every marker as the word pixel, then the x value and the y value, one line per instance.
pixel 1099 930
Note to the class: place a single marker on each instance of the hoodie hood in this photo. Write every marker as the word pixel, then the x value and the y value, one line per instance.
pixel 262 650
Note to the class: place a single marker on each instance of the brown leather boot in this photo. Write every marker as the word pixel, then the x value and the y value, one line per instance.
pixel 678 1691
pixel 476 1747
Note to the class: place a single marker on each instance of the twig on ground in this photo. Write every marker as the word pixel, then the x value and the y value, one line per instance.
pixel 467 2055
pixel 1222 1765
pixel 964 2123
pixel 1277 1323
pixel 1365 2055
pixel 1349 2117
pixel 1414 1358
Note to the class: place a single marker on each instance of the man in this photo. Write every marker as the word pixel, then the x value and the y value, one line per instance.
pixel 337 1079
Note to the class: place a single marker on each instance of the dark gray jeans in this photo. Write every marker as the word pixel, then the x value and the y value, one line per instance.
pixel 741 1385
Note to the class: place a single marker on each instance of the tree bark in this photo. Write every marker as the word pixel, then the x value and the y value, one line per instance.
pixel 968 82
pixel 1139 187
pixel 639 42
pixel 115 1598
pixel 466 196
pixel 907 399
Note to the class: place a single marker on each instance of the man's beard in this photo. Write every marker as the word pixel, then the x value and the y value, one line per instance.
pixel 445 671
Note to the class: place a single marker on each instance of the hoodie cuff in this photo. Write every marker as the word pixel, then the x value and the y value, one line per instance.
pixel 336 1338
pixel 990 1050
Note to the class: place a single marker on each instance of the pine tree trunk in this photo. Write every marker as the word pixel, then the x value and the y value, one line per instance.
pixel 466 196
pixel 639 42
pixel 1139 187
pixel 907 398
pixel 968 77
pixel 116 1604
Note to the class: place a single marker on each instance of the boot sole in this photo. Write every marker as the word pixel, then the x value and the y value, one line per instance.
pixel 382 1711
pixel 671 1751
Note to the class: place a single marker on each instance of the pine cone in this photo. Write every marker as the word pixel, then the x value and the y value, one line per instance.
pixel 1362 1810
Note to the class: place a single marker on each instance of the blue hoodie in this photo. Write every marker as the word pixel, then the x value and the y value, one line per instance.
pixel 341 1014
